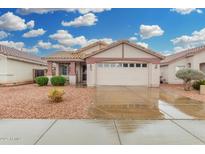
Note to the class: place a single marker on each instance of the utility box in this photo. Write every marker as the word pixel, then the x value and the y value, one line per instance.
pixel 202 89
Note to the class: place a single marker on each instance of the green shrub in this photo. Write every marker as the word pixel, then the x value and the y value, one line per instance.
pixel 42 80
pixel 188 75
pixel 58 81
pixel 196 84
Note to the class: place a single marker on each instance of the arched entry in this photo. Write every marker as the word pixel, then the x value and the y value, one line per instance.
pixel 202 67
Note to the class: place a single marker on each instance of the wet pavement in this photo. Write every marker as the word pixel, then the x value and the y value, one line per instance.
pixel 140 103
pixel 120 115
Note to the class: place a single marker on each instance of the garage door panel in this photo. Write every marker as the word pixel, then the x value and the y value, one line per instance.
pixel 122 76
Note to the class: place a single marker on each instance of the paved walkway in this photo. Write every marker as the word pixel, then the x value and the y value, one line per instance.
pixel 102 131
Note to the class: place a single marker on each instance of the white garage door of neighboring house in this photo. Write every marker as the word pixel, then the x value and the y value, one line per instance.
pixel 122 74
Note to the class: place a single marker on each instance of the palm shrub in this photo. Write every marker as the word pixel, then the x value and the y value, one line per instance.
pixel 56 95
pixel 58 80
pixel 42 80
pixel 188 75
pixel 196 84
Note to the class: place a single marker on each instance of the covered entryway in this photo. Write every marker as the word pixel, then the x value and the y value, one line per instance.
pixel 122 73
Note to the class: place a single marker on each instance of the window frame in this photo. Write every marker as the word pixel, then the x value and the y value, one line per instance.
pixel 125 65
pixel 144 65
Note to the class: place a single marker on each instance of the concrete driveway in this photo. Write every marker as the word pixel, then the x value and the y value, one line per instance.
pixel 120 115
pixel 141 103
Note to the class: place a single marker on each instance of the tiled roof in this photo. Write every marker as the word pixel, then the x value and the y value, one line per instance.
pixel 92 45
pixel 182 54
pixel 129 43
pixel 78 54
pixel 66 55
pixel 21 55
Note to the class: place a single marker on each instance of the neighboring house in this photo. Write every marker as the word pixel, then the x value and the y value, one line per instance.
pixel 119 63
pixel 19 67
pixel 192 58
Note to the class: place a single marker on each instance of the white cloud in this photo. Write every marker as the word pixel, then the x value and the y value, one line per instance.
pixel 26 11
pixel 62 47
pixel 197 38
pixel 30 24
pixel 185 11
pixel 17 45
pixel 93 10
pixel 67 41
pixel 34 33
pixel 3 35
pixel 44 45
pixel 11 22
pixel 143 44
pixel 33 49
pixel 65 38
pixel 49 45
pixel 85 20
pixel 106 40
pixel 133 39
pixel 148 31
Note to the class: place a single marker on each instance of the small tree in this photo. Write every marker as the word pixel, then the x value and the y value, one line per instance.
pixel 188 75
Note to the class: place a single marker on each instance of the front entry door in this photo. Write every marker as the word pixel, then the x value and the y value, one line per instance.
pixel 84 73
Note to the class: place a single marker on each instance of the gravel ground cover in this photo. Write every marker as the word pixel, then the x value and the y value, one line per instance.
pixel 178 89
pixel 30 101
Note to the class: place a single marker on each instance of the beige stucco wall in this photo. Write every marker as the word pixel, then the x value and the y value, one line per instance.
pixel 91 74
pixel 172 79
pixel 78 72
pixel 197 59
pixel 164 73
pixel 3 69
pixel 153 75
pixel 19 71
pixel 169 72
pixel 131 52
pixel 115 52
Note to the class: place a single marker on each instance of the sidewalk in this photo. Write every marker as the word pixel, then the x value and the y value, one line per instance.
pixel 102 131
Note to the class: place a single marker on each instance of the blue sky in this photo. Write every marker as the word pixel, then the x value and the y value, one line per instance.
pixel 44 31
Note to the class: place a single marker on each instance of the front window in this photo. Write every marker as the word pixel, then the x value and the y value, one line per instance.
pixel 63 69
pixel 138 65
pixel 132 65
pixel 144 65
pixel 125 65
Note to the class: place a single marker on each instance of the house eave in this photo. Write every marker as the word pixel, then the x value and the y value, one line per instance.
pixel 26 60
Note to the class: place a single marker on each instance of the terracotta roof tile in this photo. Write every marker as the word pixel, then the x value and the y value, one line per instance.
pixel 78 54
pixel 182 54
pixel 8 51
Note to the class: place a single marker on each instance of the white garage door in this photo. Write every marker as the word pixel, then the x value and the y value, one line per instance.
pixel 122 74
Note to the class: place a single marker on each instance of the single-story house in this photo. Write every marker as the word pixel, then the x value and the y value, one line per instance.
pixel 118 63
pixel 191 58
pixel 17 67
